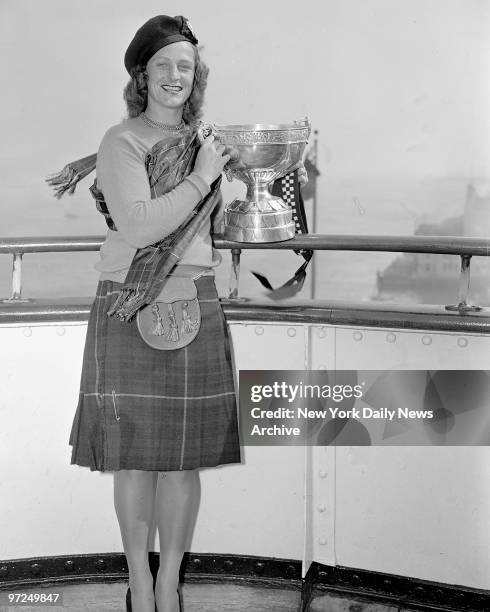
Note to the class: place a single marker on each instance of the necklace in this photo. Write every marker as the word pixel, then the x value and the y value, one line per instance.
pixel 162 126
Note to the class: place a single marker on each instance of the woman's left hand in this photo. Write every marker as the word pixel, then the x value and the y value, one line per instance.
pixel 302 173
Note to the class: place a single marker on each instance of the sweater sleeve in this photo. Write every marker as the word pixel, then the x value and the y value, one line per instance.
pixel 122 178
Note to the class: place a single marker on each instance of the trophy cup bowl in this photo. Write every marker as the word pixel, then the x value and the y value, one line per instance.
pixel 266 152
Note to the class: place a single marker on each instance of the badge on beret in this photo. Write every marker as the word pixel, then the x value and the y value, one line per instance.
pixel 187 23
pixel 186 29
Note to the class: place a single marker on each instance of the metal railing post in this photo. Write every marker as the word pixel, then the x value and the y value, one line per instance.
pixel 464 288
pixel 16 280
pixel 234 273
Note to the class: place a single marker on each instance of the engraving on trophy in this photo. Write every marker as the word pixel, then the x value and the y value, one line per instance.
pixel 263 137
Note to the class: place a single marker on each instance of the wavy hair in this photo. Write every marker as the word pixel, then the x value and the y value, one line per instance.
pixel 136 92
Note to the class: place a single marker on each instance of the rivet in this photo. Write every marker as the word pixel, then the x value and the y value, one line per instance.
pixel 321 507
pixel 228 564
pixel 322 541
pixel 36 569
pixel 27 332
pixel 69 566
pixel 322 575
pixel 426 340
pixel 291 332
pixel 357 336
pixel 462 342
pixel 100 564
pixel 418 590
pixel 4 570
pixel 391 337
pixel 355 578
pixel 196 562
pixel 387 582
pixel 322 366
pixel 259 330
pixel 321 333
pixel 322 473
pixel 259 567
pixel 60 331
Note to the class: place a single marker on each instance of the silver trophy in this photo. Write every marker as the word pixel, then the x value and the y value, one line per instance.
pixel 265 152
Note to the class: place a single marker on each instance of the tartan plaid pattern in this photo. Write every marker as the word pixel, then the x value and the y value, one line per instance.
pixel 68 179
pixel 167 164
pixel 146 409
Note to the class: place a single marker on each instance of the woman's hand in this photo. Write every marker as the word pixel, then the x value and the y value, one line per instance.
pixel 233 153
pixel 211 159
pixel 302 173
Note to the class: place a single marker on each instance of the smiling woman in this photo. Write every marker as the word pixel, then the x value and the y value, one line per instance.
pixel 163 401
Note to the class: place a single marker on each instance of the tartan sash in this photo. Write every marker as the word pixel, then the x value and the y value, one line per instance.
pixel 167 164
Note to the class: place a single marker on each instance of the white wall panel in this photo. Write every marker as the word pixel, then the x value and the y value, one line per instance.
pixel 49 506
pixel 392 349
pixel 414 511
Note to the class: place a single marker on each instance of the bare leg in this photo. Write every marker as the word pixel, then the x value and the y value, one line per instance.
pixel 177 503
pixel 134 501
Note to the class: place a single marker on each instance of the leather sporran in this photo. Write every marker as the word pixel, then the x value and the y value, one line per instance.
pixel 173 319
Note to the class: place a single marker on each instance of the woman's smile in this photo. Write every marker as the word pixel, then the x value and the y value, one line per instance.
pixel 172 88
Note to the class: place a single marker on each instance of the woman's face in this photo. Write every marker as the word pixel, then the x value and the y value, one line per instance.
pixel 171 75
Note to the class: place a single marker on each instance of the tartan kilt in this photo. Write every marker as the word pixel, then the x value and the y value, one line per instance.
pixel 142 408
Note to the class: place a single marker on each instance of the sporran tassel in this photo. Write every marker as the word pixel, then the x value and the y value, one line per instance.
pixel 122 298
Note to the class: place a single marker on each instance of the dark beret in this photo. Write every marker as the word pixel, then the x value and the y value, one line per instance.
pixel 156 33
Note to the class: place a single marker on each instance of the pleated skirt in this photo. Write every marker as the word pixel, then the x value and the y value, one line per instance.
pixel 143 408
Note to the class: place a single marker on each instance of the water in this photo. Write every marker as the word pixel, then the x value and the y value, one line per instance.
pixel 364 206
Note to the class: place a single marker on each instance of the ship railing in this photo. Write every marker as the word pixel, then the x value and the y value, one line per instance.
pixel 465 247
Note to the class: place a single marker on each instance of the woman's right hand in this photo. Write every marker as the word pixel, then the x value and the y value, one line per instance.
pixel 210 159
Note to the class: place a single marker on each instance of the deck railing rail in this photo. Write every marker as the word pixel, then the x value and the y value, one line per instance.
pixel 465 247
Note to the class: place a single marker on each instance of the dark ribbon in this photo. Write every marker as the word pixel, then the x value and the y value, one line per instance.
pixel 288 188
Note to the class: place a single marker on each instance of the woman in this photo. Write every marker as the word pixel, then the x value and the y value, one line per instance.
pixel 155 416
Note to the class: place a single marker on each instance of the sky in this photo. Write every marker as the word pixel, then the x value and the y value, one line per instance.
pixel 394 87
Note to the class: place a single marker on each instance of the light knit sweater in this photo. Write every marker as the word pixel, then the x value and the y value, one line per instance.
pixel 140 220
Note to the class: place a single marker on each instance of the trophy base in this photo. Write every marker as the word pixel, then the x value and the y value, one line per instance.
pixel 256 226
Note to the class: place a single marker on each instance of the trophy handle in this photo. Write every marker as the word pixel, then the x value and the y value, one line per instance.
pixel 305 122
